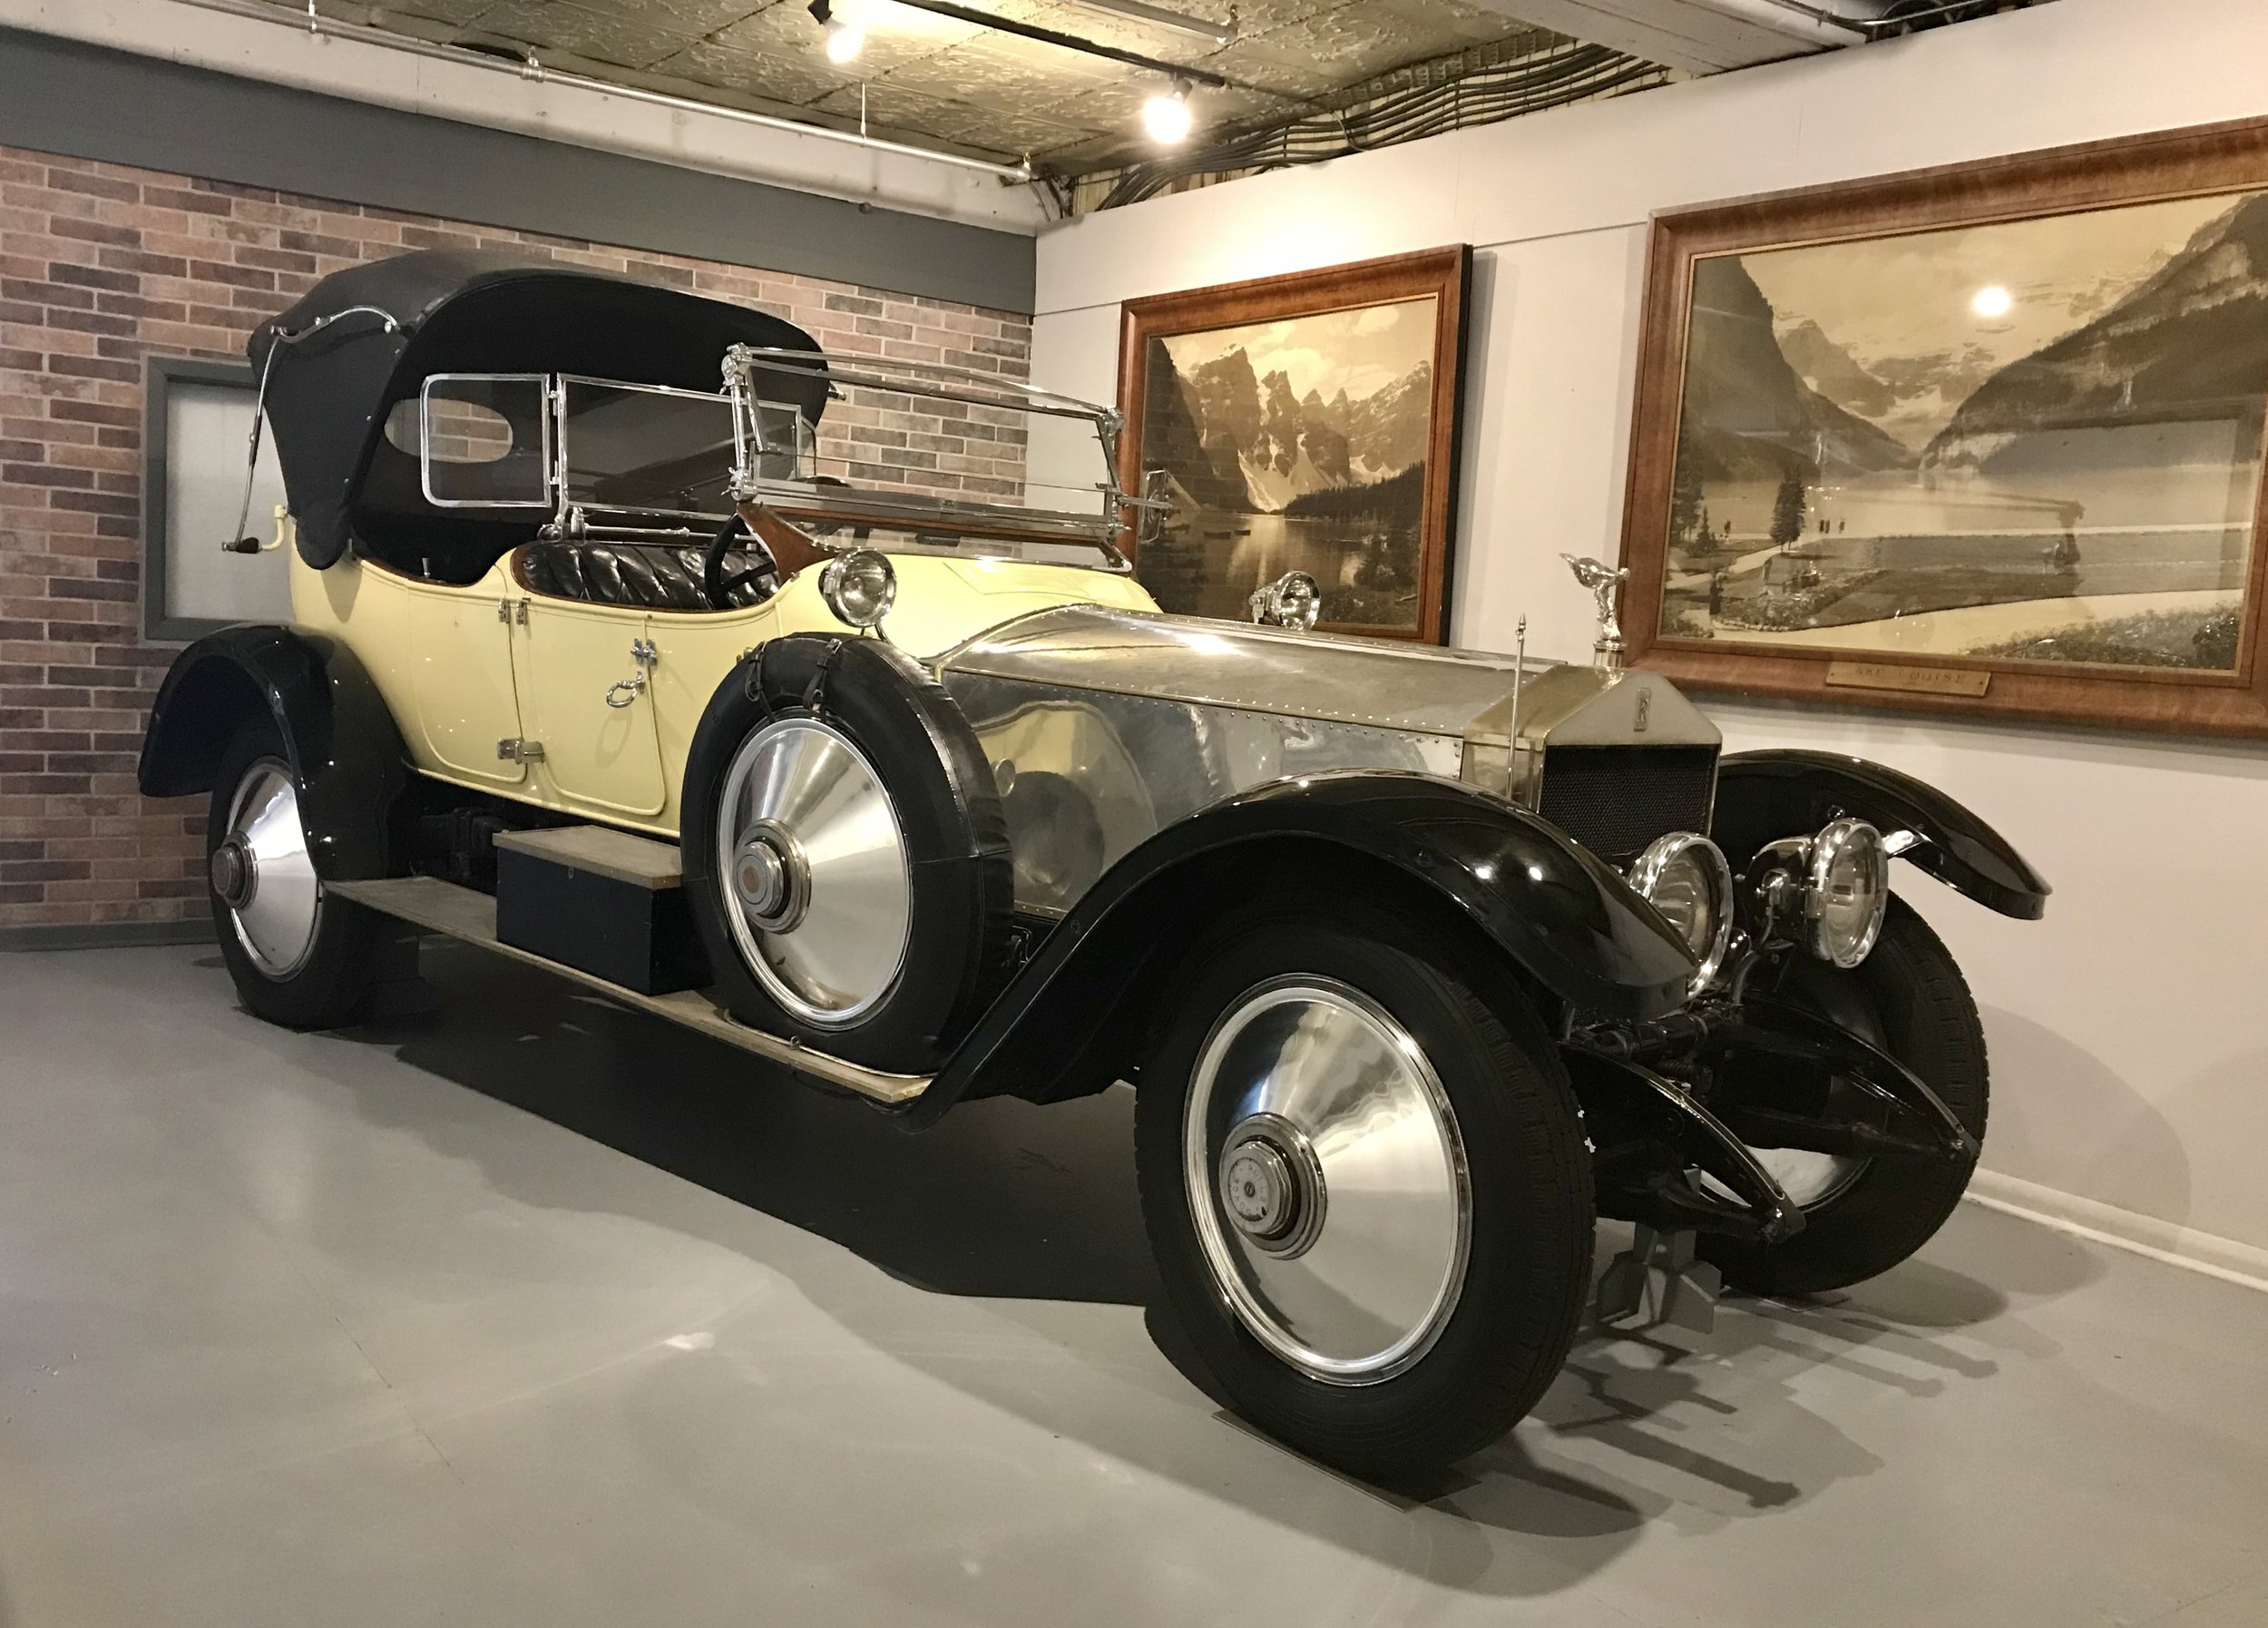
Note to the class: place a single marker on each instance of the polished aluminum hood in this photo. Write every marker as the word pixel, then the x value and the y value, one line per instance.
pixel 1371 683
pixel 1104 726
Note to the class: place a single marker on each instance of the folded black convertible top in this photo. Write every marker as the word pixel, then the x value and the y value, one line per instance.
pixel 385 325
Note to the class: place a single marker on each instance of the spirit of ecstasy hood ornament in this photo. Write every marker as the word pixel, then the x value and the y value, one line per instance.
pixel 1604 580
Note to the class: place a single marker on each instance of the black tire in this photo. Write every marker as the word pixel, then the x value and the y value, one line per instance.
pixel 331 983
pixel 940 789
pixel 1528 1265
pixel 1908 998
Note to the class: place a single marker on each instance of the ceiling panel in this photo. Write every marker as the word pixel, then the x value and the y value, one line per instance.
pixel 601 34
pixel 935 78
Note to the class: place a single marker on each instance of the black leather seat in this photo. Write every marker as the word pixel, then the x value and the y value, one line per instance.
pixel 652 576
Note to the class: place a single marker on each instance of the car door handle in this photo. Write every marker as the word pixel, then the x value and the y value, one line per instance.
pixel 643 652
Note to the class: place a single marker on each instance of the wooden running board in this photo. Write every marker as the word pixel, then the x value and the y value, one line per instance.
pixel 469 915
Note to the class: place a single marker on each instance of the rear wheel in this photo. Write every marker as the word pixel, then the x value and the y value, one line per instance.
pixel 298 957
pixel 1367 1190
pixel 1863 1216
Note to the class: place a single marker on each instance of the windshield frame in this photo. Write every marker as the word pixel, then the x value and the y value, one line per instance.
pixel 563 470
pixel 830 504
pixel 836 516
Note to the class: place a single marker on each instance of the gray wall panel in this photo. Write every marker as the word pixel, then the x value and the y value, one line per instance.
pixel 84 101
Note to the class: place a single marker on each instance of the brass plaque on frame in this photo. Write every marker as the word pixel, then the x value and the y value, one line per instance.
pixel 1912 681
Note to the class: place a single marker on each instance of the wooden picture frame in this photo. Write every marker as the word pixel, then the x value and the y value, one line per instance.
pixel 2116 659
pixel 1376 566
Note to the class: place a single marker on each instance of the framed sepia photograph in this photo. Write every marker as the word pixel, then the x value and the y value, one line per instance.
pixel 1986 438
pixel 1302 422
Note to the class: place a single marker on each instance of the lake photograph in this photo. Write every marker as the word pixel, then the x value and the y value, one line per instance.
pixel 2034 440
pixel 1296 444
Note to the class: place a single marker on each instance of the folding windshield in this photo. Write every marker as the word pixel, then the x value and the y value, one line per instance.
pixel 934 461
pixel 932 458
pixel 644 449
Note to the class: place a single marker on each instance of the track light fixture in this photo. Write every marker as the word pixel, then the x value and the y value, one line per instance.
pixel 845 36
pixel 1166 116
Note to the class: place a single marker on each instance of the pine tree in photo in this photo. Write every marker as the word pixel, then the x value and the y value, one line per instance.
pixel 1687 524
pixel 1787 510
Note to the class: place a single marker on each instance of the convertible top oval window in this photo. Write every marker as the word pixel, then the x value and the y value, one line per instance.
pixel 466 432
pixel 406 427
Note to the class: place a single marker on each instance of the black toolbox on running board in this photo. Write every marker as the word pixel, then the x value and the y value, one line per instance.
pixel 600 900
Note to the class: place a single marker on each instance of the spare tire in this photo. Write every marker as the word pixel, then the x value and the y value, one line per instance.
pixel 845 856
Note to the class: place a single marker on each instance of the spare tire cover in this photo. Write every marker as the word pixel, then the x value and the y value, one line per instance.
pixel 812 747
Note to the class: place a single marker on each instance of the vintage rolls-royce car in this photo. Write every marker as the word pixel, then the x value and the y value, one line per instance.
pixel 820 711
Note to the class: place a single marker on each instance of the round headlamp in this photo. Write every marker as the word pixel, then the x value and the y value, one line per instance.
pixel 859 586
pixel 1290 601
pixel 1686 878
pixel 1849 891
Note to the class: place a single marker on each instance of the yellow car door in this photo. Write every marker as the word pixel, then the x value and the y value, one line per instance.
pixel 585 680
pixel 459 647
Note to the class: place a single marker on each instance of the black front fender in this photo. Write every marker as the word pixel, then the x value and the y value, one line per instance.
pixel 1557 912
pixel 346 752
pixel 1762 796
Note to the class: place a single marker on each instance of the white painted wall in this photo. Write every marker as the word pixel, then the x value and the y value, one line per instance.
pixel 281 53
pixel 2129 1030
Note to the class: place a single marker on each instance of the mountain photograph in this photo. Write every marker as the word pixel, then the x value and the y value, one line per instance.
pixel 1296 444
pixel 2026 440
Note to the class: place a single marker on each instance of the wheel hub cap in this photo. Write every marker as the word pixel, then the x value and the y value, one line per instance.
pixel 1271 1186
pixel 235 872
pixel 773 880
pixel 1326 1180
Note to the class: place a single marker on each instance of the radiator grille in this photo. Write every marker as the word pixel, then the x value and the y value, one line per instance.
pixel 1614 799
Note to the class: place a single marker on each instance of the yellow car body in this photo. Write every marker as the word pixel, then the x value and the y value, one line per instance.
pixel 469 671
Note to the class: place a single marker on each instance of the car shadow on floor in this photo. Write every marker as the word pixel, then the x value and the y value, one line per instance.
pixel 1025 1205
pixel 1002 1199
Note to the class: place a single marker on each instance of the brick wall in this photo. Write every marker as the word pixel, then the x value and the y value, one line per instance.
pixel 103 265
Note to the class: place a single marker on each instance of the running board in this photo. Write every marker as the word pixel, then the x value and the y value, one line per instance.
pixel 469 915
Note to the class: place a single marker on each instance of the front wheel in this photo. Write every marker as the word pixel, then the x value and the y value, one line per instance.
pixel 1367 1190
pixel 298 957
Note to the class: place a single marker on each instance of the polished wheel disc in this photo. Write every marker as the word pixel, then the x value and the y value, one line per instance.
pixel 262 872
pixel 817 887
pixel 1808 1178
pixel 1327 1181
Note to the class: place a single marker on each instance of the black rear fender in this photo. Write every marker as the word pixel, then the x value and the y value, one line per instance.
pixel 345 750
pixel 1511 890
pixel 1763 796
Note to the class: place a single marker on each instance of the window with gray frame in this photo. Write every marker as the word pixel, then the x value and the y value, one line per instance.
pixel 196 416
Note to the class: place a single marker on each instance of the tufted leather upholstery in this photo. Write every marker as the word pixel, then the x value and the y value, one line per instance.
pixel 650 575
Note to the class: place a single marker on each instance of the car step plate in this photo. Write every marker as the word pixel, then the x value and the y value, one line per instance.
pixel 469 915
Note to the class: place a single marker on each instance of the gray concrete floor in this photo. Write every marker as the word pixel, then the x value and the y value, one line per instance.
pixel 538 1311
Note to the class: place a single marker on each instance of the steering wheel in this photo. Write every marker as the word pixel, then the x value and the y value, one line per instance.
pixel 717 584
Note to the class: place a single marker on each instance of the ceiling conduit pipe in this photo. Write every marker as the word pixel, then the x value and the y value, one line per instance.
pixel 1706 37
pixel 530 68
pixel 1828 22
